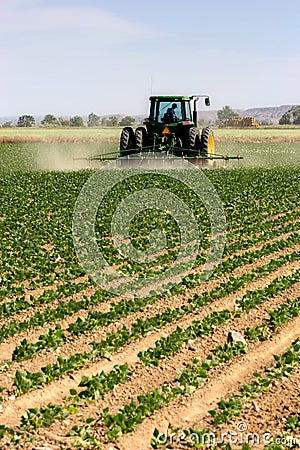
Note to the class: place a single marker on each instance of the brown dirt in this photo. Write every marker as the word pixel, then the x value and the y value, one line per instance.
pixel 191 412
pixel 224 380
pixel 151 378
pixel 55 140
pixel 80 344
pixel 267 414
pixel 183 412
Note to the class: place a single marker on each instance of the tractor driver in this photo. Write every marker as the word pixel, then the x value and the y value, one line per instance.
pixel 172 114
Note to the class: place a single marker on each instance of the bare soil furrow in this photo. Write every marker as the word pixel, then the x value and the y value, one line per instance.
pixel 80 344
pixel 40 290
pixel 267 414
pixel 56 390
pixel 27 314
pixel 193 410
pixel 145 379
pixel 7 347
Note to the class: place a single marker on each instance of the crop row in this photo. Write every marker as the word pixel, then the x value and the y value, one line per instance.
pixel 197 277
pixel 171 344
pixel 48 315
pixel 25 381
pixel 259 238
pixel 245 241
pixel 126 420
pixel 285 364
pixel 129 306
pixel 20 304
pixel 40 206
pixel 194 279
pixel 262 226
pixel 124 308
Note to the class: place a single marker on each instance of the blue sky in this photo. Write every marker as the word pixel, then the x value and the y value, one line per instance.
pixel 72 57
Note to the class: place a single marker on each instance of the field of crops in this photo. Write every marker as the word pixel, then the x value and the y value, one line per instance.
pixel 58 149
pixel 82 367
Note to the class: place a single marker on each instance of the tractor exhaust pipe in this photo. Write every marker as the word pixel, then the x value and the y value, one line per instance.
pixel 195 115
pixel 195 99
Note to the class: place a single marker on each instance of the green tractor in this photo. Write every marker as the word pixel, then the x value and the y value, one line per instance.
pixel 171 128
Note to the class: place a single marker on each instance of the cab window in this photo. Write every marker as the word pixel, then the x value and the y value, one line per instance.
pixel 187 115
pixel 163 108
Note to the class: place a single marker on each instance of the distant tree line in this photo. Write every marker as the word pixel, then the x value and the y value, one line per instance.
pixel 291 117
pixel 27 120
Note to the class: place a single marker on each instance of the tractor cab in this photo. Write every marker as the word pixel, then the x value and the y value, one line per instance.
pixel 173 111
pixel 160 107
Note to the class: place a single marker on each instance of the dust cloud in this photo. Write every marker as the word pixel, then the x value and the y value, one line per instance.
pixel 57 158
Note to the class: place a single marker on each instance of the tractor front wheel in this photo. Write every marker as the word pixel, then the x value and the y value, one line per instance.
pixel 127 141
pixel 207 142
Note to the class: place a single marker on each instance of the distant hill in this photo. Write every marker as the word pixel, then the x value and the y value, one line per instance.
pixel 268 114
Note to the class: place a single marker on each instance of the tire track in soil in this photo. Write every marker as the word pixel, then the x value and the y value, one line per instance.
pixel 60 388
pixel 225 384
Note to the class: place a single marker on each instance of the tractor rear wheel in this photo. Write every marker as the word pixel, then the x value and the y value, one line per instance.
pixel 141 137
pixel 127 141
pixel 194 141
pixel 207 142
